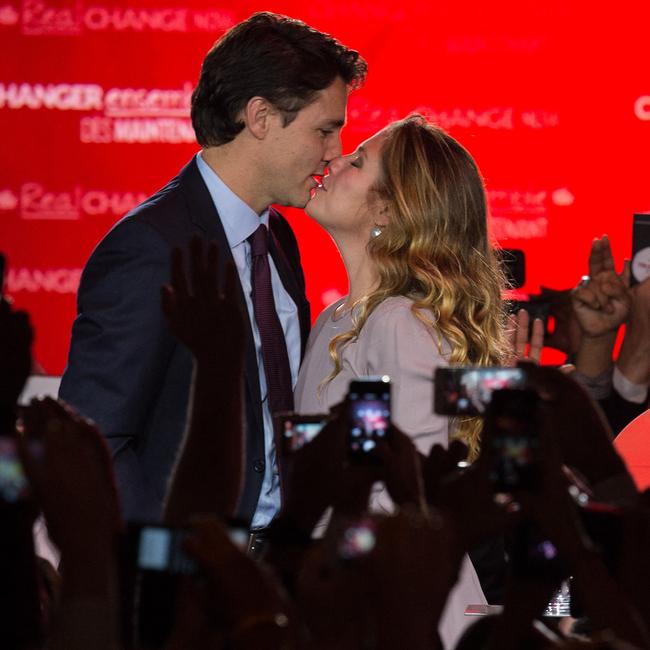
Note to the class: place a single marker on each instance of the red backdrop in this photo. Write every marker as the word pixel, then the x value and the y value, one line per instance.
pixel 552 99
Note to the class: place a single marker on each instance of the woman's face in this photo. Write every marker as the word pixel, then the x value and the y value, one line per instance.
pixel 341 202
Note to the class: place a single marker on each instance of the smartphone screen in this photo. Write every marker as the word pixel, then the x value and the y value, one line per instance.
pixel 161 549
pixel 298 430
pixel 368 416
pixel 358 539
pixel 511 435
pixel 640 248
pixel 13 482
pixel 468 390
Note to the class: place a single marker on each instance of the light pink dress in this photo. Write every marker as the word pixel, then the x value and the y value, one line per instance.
pixel 393 342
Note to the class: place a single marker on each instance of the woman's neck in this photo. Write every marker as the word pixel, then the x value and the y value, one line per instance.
pixel 361 270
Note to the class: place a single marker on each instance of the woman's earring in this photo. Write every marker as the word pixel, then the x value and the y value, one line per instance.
pixel 375 232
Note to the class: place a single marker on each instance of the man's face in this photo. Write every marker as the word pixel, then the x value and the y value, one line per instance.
pixel 297 152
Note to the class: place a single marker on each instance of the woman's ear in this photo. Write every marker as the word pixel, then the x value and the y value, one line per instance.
pixel 382 217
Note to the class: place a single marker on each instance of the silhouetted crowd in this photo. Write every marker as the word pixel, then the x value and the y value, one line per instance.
pixel 558 531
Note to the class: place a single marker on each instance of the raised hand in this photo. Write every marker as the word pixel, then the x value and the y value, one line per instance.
pixel 315 473
pixel 208 319
pixel 72 476
pixel 236 599
pixel 581 432
pixel 15 354
pixel 203 314
pixel 401 470
pixel 465 495
pixel 520 348
pixel 73 482
pixel 602 300
pixel 394 592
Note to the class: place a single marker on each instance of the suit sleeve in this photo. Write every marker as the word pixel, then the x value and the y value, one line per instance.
pixel 120 349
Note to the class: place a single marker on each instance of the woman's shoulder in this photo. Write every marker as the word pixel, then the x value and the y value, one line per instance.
pixel 397 336
pixel 396 317
pixel 395 310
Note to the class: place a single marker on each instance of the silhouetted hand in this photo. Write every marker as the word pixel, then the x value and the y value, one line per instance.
pixel 401 469
pixel 203 314
pixel 579 427
pixel 315 473
pixel 634 559
pixel 73 478
pixel 208 319
pixel 15 354
pixel 394 592
pixel 237 600
pixel 466 495
pixel 73 482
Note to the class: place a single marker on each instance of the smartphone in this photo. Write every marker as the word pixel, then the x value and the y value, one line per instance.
pixel 513 442
pixel 368 410
pixel 14 486
pixel 640 248
pixel 297 430
pixel 358 539
pixel 468 390
pixel 160 549
pixel 154 566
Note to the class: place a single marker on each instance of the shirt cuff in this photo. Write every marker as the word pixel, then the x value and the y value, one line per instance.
pixel 598 387
pixel 636 393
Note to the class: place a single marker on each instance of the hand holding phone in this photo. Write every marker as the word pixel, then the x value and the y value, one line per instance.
pixel 513 441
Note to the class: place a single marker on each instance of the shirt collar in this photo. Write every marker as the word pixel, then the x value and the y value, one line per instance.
pixel 239 220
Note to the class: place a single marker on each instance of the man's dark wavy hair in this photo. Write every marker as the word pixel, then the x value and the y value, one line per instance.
pixel 272 56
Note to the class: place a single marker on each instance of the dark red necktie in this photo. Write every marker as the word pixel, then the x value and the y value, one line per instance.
pixel 274 345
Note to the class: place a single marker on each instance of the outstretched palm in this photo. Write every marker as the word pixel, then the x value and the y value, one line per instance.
pixel 206 316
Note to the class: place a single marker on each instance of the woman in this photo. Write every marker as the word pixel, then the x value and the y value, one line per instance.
pixel 407 211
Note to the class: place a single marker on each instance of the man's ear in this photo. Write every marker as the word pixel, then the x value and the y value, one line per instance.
pixel 258 115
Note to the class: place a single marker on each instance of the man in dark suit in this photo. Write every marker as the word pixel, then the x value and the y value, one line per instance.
pixel 267 112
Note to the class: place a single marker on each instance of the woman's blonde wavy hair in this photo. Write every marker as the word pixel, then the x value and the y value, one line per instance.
pixel 435 250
